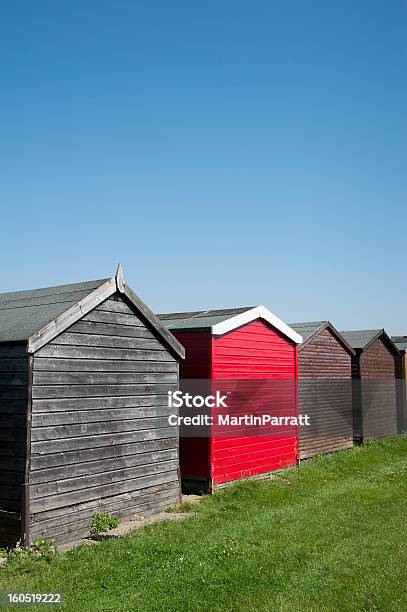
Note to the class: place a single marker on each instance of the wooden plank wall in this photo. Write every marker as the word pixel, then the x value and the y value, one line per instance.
pixel 100 434
pixel 13 412
pixel 263 362
pixel 325 394
pixel 379 404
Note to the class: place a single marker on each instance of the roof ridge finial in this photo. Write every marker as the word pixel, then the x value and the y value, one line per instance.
pixel 120 282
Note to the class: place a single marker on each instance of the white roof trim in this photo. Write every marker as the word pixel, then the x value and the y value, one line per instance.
pixel 259 312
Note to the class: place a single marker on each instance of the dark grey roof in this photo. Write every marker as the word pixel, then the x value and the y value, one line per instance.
pixel 200 319
pixel 306 329
pixel 400 342
pixel 23 313
pixel 359 339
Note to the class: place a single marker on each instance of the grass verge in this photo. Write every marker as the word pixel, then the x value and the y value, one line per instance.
pixel 330 536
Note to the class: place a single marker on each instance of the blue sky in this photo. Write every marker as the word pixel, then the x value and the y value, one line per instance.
pixel 227 153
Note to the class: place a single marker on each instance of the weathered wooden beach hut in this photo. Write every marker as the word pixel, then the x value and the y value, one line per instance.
pixel 85 370
pixel 325 388
pixel 401 375
pixel 374 384
pixel 252 353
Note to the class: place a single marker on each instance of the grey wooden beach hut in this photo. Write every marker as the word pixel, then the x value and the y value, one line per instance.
pixel 84 374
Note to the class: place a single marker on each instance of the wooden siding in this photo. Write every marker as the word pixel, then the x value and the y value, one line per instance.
pixel 100 438
pixel 255 350
pixel 378 391
pixel 325 395
pixel 13 415
pixel 254 353
pixel 195 451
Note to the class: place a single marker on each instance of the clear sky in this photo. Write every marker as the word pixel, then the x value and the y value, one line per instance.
pixel 227 153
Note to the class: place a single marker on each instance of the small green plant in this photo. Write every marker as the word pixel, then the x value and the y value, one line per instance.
pixel 40 549
pixel 103 521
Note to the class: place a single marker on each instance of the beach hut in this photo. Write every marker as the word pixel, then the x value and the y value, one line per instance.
pixel 325 388
pixel 251 355
pixel 85 371
pixel 401 374
pixel 374 384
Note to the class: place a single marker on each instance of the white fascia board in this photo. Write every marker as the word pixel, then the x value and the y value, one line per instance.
pixel 259 312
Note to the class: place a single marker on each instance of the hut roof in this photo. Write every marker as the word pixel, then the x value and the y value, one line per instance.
pixel 400 342
pixel 310 329
pixel 221 321
pixel 38 315
pixel 23 313
pixel 363 338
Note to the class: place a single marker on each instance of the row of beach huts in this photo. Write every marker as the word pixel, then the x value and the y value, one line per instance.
pixel 86 370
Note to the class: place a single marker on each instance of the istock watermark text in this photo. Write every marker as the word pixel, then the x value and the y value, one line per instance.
pixel 177 399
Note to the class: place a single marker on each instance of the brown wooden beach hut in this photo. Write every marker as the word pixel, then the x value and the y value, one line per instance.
pixel 374 384
pixel 325 388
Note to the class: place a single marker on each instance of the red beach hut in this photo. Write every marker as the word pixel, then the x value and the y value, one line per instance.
pixel 253 353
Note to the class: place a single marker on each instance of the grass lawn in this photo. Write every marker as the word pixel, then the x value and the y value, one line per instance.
pixel 329 536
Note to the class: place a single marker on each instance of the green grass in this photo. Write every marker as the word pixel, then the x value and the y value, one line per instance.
pixel 330 536
pixel 185 507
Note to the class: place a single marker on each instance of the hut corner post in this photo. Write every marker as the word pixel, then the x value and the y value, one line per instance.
pixel 25 510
